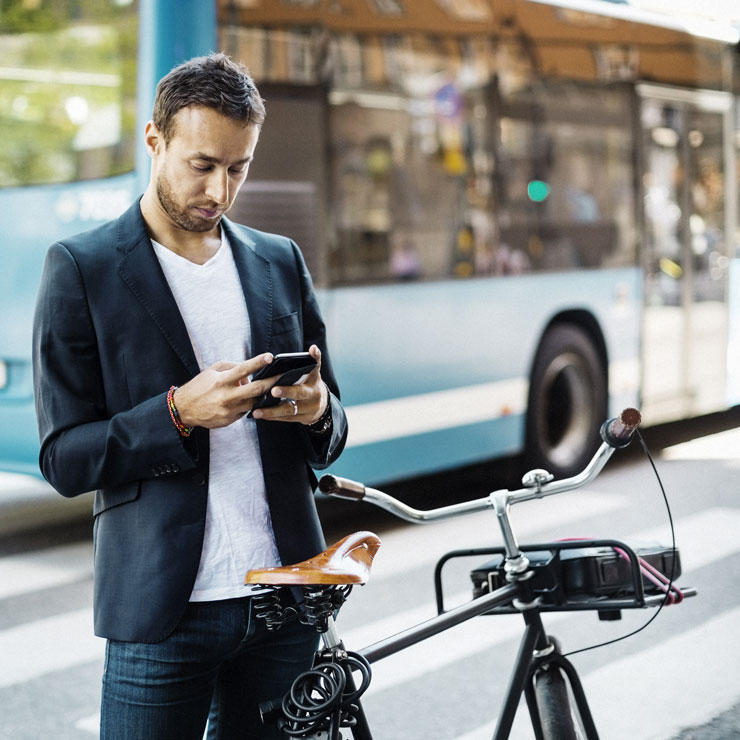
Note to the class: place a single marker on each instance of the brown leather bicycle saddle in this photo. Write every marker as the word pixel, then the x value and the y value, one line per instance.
pixel 346 562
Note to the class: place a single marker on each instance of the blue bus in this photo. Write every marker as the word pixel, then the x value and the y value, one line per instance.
pixel 520 215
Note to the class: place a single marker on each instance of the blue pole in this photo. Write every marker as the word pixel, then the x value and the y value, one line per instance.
pixel 170 31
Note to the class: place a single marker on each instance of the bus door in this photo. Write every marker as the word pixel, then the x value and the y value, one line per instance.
pixel 685 252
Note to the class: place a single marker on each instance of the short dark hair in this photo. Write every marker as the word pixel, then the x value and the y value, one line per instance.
pixel 215 81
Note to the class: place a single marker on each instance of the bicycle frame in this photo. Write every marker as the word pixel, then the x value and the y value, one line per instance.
pixel 536 650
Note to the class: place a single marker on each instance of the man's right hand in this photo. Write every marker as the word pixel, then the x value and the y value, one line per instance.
pixel 222 393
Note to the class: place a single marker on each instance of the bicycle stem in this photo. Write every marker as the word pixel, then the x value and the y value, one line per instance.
pixel 504 499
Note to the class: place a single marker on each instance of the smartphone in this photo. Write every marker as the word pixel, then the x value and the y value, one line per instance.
pixel 292 368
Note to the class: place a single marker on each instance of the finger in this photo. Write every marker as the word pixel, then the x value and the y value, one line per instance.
pixel 290 406
pixel 315 352
pixel 304 392
pixel 286 410
pixel 243 370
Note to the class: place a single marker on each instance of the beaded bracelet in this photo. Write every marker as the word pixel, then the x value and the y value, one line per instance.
pixel 183 431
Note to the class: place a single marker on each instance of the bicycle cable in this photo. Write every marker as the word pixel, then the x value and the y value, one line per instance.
pixel 671 577
pixel 324 694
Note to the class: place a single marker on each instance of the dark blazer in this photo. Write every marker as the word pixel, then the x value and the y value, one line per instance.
pixel 108 343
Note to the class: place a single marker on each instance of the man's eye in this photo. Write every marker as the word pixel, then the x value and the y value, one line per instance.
pixel 201 167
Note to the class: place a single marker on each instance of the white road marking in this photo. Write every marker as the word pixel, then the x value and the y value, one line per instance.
pixel 40 569
pixel 34 649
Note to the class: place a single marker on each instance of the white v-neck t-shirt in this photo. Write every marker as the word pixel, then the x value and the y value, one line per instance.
pixel 238 534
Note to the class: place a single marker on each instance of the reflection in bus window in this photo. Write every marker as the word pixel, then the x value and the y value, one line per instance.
pixel 396 201
pixel 564 190
pixel 67 90
pixel 452 158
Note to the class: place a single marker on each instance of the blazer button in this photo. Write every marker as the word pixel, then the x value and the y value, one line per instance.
pixel 199 479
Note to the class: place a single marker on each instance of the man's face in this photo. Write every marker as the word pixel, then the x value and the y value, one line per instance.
pixel 199 173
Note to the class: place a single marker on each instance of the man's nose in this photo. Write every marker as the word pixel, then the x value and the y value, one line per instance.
pixel 217 187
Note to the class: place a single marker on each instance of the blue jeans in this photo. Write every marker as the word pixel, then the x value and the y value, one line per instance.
pixel 218 665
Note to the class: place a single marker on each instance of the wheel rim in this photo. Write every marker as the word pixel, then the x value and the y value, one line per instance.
pixel 565 420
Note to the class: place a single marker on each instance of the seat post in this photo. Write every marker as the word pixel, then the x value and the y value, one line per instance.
pixel 330 637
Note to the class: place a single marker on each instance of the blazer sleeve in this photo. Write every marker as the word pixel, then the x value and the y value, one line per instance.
pixel 321 450
pixel 83 447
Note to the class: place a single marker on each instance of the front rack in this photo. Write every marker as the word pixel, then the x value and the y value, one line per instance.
pixel 574 575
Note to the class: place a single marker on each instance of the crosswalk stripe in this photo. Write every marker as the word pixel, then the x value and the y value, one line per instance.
pixel 40 569
pixel 646 680
pixel 703 537
pixel 37 648
pixel 720 446
pixel 89 724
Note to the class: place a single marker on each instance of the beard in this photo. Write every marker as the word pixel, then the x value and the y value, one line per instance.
pixel 178 212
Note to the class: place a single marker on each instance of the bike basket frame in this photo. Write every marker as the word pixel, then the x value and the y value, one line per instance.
pixel 571 575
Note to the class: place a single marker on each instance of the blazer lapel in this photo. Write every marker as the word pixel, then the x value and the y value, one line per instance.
pixel 140 270
pixel 256 279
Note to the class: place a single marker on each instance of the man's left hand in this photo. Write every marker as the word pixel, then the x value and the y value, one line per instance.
pixel 304 403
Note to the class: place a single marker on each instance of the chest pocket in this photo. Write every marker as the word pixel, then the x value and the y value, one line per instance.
pixel 286 334
pixel 284 324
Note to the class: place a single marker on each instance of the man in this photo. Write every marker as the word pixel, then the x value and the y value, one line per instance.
pixel 146 334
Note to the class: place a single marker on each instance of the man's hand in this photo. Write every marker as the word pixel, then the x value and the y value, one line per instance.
pixel 304 403
pixel 222 393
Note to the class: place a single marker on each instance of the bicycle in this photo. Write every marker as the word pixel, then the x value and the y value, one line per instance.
pixel 606 576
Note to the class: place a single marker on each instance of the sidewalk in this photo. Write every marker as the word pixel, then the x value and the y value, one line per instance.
pixel 28 503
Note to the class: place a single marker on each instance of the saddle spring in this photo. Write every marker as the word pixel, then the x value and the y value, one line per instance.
pixel 267 606
pixel 320 602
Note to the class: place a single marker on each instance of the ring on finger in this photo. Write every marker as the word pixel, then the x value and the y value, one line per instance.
pixel 294 405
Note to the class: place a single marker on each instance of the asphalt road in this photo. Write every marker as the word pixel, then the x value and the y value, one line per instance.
pixel 679 680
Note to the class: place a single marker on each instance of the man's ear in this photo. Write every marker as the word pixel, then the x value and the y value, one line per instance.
pixel 153 139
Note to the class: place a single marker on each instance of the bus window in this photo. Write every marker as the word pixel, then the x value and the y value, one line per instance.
pixel 564 189
pixel 411 165
pixel 396 205
pixel 67 90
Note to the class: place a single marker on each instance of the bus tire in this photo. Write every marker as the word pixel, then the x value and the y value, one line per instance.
pixel 567 401
pixel 553 705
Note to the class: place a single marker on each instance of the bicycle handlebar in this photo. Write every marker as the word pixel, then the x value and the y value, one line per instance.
pixel 616 433
pixel 344 488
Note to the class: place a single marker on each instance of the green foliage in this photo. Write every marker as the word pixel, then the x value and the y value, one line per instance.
pixel 65 56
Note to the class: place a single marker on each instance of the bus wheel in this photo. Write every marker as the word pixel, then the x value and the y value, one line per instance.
pixel 567 402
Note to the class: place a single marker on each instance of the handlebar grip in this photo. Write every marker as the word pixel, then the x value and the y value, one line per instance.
pixel 333 485
pixel 618 432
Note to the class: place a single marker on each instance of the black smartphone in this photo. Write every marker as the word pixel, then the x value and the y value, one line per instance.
pixel 292 368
